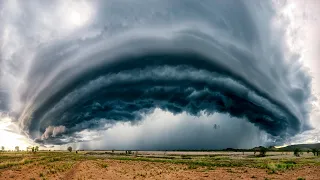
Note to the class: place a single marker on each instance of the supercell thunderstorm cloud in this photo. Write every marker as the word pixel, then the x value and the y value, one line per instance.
pixel 94 65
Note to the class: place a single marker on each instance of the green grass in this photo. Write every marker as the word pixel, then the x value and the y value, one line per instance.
pixel 218 158
pixel 9 164
pixel 61 161
pixel 54 159
pixel 104 165
pixel 186 157
pixel 272 166
pixel 64 166
pixel 196 162
pixel 8 160
pixel 192 166
pixel 275 167
pixel 300 178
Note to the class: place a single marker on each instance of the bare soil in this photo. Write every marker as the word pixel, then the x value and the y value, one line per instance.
pixel 119 169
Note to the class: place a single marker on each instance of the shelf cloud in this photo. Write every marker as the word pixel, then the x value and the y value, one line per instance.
pixel 131 59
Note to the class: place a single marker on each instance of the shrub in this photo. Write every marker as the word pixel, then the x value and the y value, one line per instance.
pixel 104 165
pixel 128 152
pixel 297 152
pixel 263 152
pixel 192 166
pixel 69 149
pixel 41 175
pixel 315 152
pixel 185 157
pixel 136 154
pixel 274 167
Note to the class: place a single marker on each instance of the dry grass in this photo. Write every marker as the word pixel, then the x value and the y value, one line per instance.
pixel 56 165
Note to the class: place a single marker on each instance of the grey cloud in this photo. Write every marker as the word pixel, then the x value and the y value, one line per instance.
pixel 208 56
pixel 53 131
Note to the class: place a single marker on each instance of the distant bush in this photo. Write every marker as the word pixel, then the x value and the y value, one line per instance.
pixel 315 152
pixel 263 152
pixel 104 165
pixel 297 152
pixel 185 157
pixel 128 152
pixel 69 149
pixel 300 178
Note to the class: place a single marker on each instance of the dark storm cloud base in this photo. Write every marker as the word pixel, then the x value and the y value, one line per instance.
pixel 175 82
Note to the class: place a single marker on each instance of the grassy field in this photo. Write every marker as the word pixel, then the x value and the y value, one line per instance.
pixel 157 165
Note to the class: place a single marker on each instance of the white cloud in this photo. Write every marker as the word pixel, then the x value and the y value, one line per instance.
pixel 302 31
pixel 53 131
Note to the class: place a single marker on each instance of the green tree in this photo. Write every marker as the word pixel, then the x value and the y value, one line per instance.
pixel 2 148
pixel 263 151
pixel 29 148
pixel 297 152
pixel 17 148
pixel 69 149
pixel 314 151
pixel 36 148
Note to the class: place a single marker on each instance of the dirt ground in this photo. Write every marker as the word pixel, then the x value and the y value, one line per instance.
pixel 117 169
pixel 87 166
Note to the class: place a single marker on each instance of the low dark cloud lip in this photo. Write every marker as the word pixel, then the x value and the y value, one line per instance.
pixel 158 59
